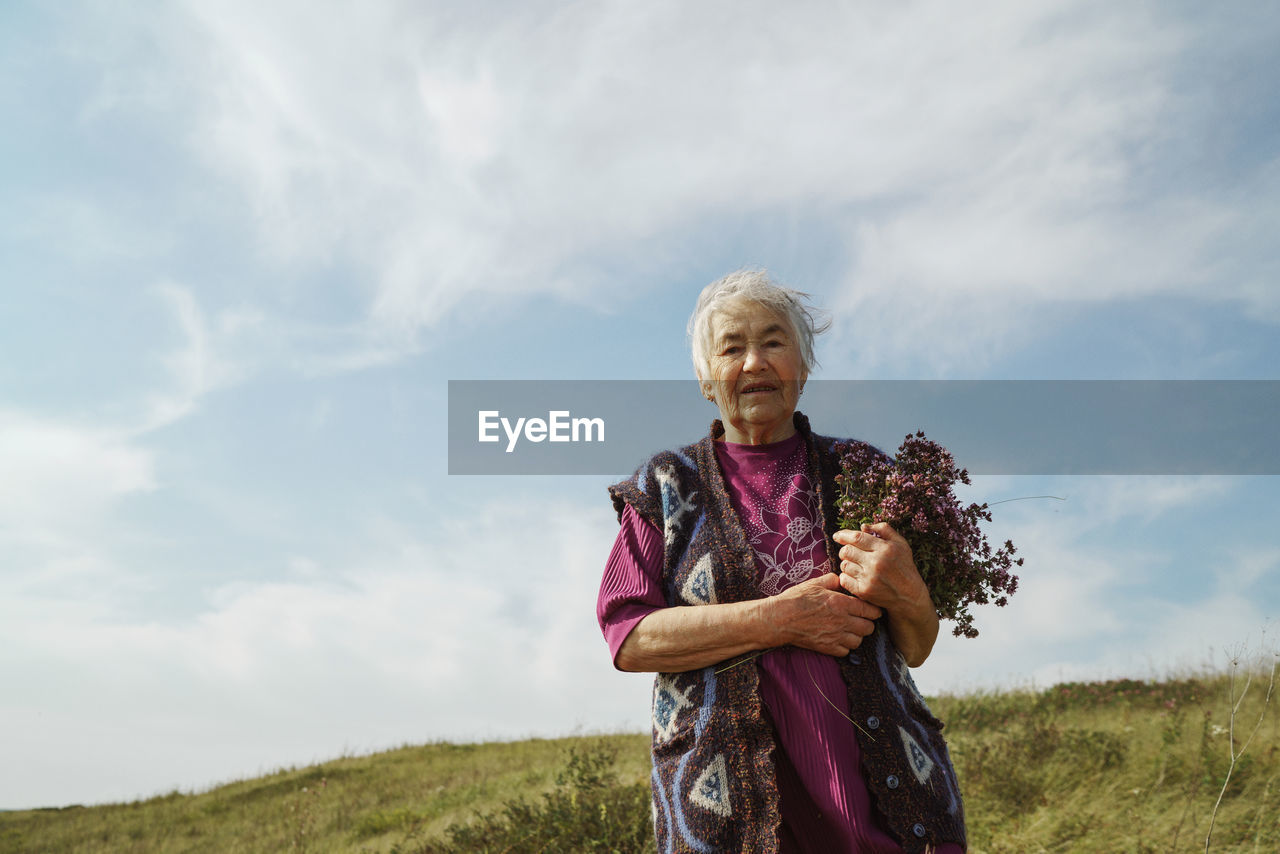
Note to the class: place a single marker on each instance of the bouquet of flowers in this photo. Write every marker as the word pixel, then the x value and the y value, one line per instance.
pixel 914 493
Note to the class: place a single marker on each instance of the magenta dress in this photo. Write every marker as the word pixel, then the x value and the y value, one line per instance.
pixel 824 803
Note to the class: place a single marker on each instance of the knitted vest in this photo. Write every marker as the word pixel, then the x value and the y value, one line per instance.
pixel 713 780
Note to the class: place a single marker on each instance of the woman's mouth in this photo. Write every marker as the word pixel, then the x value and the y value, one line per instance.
pixel 759 388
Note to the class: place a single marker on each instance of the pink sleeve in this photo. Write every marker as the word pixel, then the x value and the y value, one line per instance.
pixel 632 587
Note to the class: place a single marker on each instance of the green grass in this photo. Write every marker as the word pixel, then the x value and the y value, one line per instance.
pixel 381 803
pixel 1120 766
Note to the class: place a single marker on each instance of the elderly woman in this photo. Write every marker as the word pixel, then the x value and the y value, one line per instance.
pixel 784 715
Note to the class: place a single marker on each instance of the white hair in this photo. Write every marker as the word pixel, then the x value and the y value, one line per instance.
pixel 755 286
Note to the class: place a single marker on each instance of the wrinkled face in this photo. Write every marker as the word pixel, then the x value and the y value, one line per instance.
pixel 755 373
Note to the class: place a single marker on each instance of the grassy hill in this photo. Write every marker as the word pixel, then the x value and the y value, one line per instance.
pixel 1122 766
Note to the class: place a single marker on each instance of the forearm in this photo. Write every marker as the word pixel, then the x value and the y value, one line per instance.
pixel 914 629
pixel 672 640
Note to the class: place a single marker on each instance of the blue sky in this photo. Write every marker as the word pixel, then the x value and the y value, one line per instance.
pixel 246 245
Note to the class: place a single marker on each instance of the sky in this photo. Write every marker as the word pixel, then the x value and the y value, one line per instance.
pixel 245 246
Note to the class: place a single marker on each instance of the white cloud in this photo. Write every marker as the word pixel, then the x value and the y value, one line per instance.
pixel 981 160
pixel 61 475
pixel 948 283
pixel 466 114
pixel 193 367
pixel 484 631
pixel 215 352
pixel 1095 603
pixel 1244 567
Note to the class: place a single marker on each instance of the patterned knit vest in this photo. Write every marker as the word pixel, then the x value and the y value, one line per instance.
pixel 713 780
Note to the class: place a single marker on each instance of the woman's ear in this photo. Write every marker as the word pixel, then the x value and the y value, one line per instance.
pixel 704 387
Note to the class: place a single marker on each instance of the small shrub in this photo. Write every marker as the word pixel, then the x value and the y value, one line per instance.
pixel 1095 748
pixel 590 811
pixel 379 822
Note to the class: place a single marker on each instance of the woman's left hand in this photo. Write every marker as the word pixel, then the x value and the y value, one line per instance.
pixel 876 566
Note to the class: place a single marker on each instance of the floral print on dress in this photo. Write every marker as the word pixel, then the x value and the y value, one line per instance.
pixel 788 542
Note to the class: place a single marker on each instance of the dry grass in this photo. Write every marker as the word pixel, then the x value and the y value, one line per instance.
pixel 362 804
pixel 1122 766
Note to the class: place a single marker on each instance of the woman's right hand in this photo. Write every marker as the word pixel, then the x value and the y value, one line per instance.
pixel 819 615
pixel 816 614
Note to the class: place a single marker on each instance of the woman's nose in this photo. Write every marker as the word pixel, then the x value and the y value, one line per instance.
pixel 753 360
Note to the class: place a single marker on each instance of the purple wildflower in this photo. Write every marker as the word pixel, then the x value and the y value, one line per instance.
pixel 914 493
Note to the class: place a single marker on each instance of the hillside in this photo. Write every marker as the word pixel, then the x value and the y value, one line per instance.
pixel 1121 766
